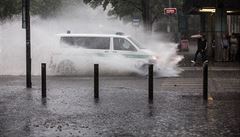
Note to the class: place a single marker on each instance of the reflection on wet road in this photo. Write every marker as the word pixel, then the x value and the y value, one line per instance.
pixel 122 110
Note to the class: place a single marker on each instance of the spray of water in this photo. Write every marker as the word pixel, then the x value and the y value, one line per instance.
pixel 78 19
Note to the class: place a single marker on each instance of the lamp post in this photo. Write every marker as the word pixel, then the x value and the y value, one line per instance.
pixel 26 25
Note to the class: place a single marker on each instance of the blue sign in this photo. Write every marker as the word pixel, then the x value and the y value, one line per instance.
pixel 136 21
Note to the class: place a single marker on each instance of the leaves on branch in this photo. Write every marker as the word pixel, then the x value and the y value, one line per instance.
pixel 125 8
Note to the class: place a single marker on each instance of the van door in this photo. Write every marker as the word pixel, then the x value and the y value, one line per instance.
pixel 128 52
pixel 100 46
pixel 125 48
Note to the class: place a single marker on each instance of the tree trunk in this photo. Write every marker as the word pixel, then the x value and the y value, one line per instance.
pixel 146 15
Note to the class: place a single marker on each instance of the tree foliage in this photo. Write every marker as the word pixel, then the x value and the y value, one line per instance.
pixel 44 8
pixel 8 8
pixel 149 10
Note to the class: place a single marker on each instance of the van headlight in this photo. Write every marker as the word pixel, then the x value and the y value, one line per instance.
pixel 153 59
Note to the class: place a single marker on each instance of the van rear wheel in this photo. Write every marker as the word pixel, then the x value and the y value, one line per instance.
pixel 66 67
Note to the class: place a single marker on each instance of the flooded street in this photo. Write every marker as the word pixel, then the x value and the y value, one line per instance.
pixel 122 108
pixel 119 68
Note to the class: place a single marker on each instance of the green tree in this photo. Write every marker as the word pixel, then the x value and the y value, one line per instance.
pixel 149 10
pixel 43 8
pixel 8 8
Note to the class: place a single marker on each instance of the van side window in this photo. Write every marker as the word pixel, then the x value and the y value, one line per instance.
pixel 123 44
pixel 87 42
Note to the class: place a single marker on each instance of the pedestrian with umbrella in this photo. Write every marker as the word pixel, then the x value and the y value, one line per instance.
pixel 201 48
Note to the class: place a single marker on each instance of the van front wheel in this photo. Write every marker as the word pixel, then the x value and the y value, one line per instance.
pixel 144 69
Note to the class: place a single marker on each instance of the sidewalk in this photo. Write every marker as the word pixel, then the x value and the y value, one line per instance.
pixel 211 68
pixel 189 55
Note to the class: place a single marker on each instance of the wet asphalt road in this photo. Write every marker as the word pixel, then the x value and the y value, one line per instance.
pixel 123 109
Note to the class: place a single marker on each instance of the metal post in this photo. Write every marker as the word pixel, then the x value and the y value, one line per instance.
pixel 169 18
pixel 23 14
pixel 205 80
pixel 28 45
pixel 150 82
pixel 44 84
pixel 96 81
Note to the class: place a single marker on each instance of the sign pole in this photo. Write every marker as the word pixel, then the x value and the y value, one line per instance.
pixel 169 19
pixel 23 14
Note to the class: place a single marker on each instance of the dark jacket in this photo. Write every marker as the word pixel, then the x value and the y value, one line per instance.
pixel 202 44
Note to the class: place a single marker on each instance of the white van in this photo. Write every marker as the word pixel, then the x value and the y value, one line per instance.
pixel 99 48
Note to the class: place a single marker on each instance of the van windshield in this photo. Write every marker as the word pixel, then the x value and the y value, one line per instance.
pixel 136 43
pixel 87 42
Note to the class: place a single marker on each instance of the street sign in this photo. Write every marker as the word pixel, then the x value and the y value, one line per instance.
pixel 170 11
pixel 136 21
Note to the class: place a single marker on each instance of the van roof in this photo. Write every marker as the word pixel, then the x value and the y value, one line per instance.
pixel 91 35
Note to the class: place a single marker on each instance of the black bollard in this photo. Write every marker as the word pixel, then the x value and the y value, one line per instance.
pixel 150 82
pixel 26 10
pixel 205 80
pixel 44 84
pixel 96 81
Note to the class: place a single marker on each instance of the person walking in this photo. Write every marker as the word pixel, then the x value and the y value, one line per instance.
pixel 225 46
pixel 233 47
pixel 201 48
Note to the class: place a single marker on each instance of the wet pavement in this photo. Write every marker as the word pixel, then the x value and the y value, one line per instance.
pixel 123 109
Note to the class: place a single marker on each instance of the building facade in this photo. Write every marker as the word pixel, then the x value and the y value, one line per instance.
pixel 218 19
